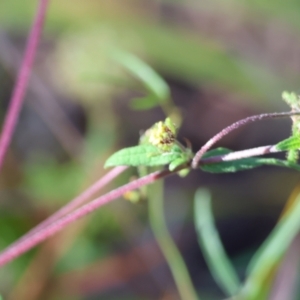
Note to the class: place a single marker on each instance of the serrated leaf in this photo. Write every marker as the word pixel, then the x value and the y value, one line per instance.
pixel 142 155
pixel 151 80
pixel 144 103
pixel 211 245
pixel 291 143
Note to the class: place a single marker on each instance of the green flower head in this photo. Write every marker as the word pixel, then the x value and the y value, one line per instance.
pixel 162 135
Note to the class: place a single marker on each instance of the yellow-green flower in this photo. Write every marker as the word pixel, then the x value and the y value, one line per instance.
pixel 162 135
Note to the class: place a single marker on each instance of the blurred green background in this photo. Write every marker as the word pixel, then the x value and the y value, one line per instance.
pixel 223 60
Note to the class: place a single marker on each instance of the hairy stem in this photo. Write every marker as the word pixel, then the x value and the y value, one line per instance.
pixel 76 202
pixel 175 261
pixel 233 127
pixel 22 80
pixel 67 215
pixel 24 245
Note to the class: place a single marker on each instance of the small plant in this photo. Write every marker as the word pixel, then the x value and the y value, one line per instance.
pixel 159 147
pixel 158 154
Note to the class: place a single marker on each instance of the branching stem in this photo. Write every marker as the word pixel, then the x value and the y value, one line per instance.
pixel 24 245
pixel 233 127
pixel 61 219
pixel 76 202
pixel 69 214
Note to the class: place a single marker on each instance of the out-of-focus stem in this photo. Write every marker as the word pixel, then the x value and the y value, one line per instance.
pixel 167 245
pixel 61 219
pixel 76 202
pixel 22 80
pixel 24 245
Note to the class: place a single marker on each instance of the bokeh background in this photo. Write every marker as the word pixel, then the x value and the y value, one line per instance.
pixel 223 60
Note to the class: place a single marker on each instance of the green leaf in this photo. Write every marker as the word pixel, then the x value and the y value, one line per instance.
pixel 151 80
pixel 229 166
pixel 143 103
pixel 142 155
pixel 292 155
pixel 269 255
pixel 232 166
pixel 210 242
pixel 217 151
pixel 177 162
pixel 242 164
pixel 185 157
pixel 291 99
pixel 52 182
pixel 279 163
pixel 291 143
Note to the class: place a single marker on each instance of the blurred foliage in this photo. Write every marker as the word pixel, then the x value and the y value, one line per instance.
pixel 208 237
pixel 234 49
pixel 194 58
pixel 96 243
pixel 54 182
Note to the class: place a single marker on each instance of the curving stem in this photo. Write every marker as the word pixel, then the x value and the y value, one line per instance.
pixel 234 126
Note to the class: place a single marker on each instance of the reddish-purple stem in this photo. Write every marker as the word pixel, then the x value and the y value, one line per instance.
pixel 61 219
pixel 22 80
pixel 24 245
pixel 76 202
pixel 234 126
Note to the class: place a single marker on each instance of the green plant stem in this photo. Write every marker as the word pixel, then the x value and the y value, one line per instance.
pixel 167 245
pixel 210 242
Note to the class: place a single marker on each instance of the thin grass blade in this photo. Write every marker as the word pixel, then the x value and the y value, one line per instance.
pixel 210 242
pixel 270 254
